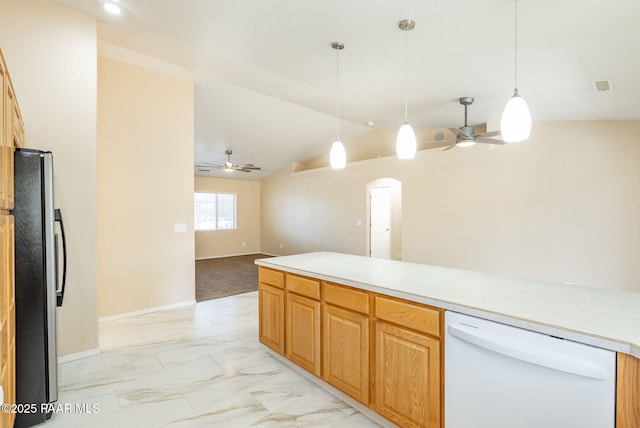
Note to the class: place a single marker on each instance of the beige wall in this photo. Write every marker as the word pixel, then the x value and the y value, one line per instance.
pixel 145 188
pixel 51 54
pixel 563 206
pixel 246 238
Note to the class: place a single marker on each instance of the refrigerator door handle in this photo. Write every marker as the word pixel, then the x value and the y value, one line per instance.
pixel 60 293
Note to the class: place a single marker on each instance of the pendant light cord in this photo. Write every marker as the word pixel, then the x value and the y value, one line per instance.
pixel 338 94
pixel 515 56
pixel 406 78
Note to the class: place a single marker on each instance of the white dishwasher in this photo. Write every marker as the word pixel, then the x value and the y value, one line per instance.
pixel 498 376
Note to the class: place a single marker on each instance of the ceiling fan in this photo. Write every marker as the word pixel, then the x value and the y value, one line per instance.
pixel 466 135
pixel 228 165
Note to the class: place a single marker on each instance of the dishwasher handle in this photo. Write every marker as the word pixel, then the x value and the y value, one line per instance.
pixel 567 365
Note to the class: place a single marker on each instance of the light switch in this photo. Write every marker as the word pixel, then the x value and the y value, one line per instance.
pixel 358 222
pixel 180 228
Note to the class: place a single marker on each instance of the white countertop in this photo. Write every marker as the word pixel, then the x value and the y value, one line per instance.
pixel 606 318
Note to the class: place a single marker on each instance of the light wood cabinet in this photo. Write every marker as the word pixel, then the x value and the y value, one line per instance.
pixel 8 332
pixel 11 136
pixel 346 351
pixel 384 352
pixel 271 308
pixel 408 362
pixel 628 392
pixel 271 313
pixel 407 376
pixel 303 322
pixel 346 340
pixel 5 174
pixel 303 332
pixel 271 277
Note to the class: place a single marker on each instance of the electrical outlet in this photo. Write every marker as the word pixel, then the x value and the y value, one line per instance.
pixel 244 244
pixel 281 245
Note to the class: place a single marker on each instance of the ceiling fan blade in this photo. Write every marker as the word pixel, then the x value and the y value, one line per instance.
pixel 208 165
pixel 449 147
pixel 204 170
pixel 491 134
pixel 489 141
pixel 439 142
pixel 241 169
pixel 457 132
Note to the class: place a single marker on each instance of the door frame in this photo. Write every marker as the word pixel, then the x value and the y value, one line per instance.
pixel 396 215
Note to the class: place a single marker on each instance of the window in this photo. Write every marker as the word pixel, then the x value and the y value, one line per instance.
pixel 215 211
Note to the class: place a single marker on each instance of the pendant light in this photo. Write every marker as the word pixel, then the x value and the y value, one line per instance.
pixel 516 119
pixel 337 156
pixel 406 140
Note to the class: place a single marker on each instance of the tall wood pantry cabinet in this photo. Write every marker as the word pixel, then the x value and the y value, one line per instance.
pixel 12 136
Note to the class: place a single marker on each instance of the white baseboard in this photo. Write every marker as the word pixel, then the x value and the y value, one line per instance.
pixel 270 254
pixel 229 255
pixel 78 355
pixel 146 311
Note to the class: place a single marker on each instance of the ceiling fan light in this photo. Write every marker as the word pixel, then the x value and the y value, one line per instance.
pixel 515 124
pixel 337 155
pixel 466 143
pixel 406 142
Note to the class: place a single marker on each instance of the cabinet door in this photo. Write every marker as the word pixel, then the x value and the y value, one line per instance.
pixel 407 376
pixel 346 351
pixel 10 325
pixel 303 332
pixel 628 392
pixel 3 101
pixel 271 314
pixel 4 174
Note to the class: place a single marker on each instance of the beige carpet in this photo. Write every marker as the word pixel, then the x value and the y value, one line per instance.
pixel 226 276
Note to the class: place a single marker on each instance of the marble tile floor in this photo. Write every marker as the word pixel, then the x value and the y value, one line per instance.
pixel 196 366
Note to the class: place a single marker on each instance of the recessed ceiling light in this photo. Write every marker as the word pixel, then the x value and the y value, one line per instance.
pixel 370 123
pixel 112 8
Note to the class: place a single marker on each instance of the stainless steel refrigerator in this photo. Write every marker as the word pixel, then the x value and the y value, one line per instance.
pixel 39 283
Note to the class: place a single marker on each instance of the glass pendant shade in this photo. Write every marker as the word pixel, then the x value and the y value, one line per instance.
pixel 516 120
pixel 337 155
pixel 406 142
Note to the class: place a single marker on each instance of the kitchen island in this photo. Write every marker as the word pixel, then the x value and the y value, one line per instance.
pixel 368 301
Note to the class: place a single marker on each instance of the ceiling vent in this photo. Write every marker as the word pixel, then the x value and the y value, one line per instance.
pixel 602 85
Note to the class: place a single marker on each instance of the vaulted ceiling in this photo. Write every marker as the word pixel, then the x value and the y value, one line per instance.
pixel 265 73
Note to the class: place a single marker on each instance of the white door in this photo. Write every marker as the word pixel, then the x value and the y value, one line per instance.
pixel 380 222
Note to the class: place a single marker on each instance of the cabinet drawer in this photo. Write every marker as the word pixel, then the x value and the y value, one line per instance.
pixel 346 297
pixel 271 277
pixel 410 315
pixel 303 286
